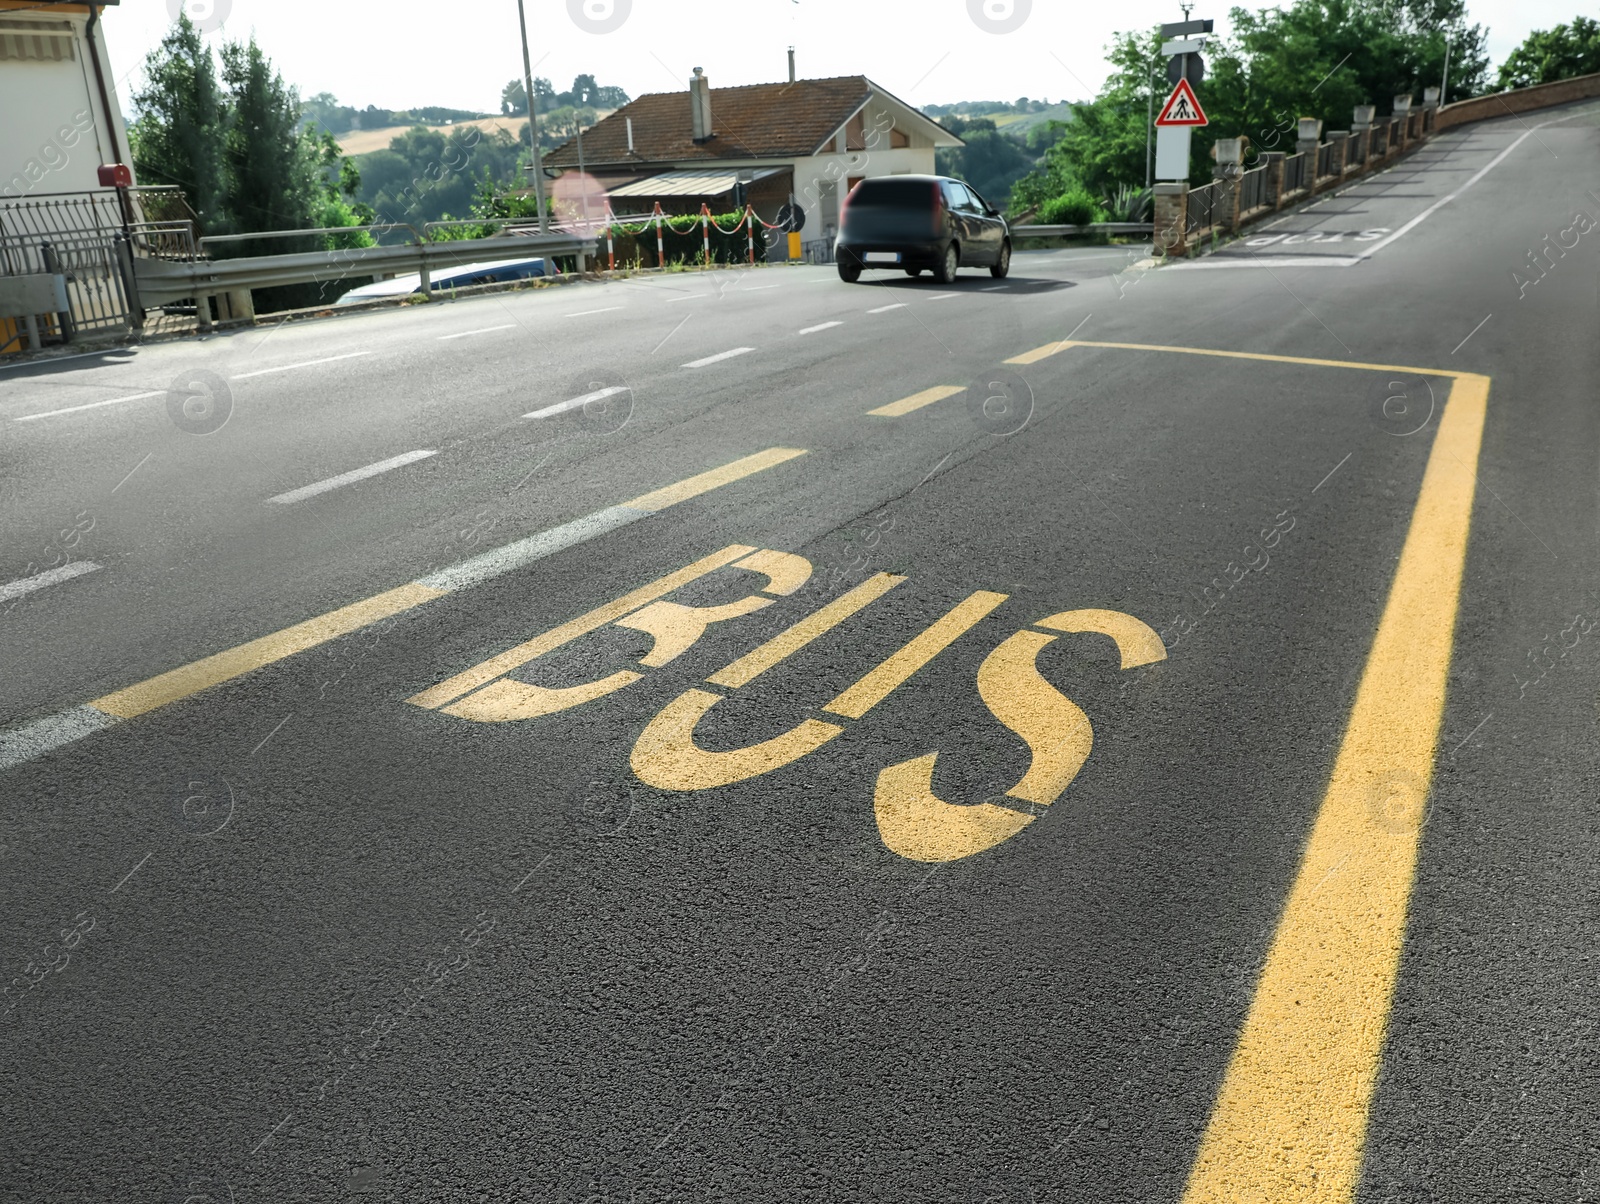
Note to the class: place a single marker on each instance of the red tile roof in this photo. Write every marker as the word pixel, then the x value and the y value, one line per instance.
pixel 757 121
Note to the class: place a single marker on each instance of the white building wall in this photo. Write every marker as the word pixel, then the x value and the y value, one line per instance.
pixel 820 181
pixel 54 137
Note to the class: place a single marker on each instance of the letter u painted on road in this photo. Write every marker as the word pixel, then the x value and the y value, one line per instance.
pixel 912 820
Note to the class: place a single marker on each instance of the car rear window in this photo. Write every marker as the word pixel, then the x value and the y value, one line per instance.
pixel 893 194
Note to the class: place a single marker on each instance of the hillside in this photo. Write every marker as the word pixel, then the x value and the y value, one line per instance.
pixel 359 142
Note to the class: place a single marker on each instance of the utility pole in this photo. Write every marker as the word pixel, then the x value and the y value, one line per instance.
pixel 1444 80
pixel 1149 121
pixel 533 125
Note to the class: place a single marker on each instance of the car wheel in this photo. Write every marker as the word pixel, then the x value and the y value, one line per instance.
pixel 849 272
pixel 913 272
pixel 946 271
pixel 1002 267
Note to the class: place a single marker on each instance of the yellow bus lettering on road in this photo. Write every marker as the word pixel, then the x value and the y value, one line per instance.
pixel 916 823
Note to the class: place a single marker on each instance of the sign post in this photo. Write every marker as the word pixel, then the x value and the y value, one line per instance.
pixel 1181 112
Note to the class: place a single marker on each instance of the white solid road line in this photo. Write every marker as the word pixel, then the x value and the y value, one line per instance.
pixel 753 288
pixel 824 326
pixel 883 309
pixel 93 405
pixel 721 355
pixel 485 330
pixel 347 478
pixel 561 407
pixel 26 585
pixel 327 359
pixel 693 297
pixel 1242 261
pixel 584 313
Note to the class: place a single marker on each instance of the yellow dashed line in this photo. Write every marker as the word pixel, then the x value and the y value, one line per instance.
pixel 671 495
pixel 916 401
pixel 235 662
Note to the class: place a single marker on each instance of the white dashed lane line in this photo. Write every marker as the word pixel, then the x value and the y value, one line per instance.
pixel 721 355
pixel 26 585
pixel 823 326
pixel 91 405
pixel 327 359
pixel 349 478
pixel 561 407
pixel 485 330
pixel 883 309
pixel 584 313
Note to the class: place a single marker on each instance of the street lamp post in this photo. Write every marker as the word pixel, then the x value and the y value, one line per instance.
pixel 533 124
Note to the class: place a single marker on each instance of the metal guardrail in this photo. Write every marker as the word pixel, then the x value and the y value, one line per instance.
pixel 165 282
pixel 1092 228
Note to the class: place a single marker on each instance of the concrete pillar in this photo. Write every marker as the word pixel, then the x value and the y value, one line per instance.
pixel 1171 219
pixel 1341 153
pixel 1402 114
pixel 1361 127
pixel 1274 164
pixel 1308 137
pixel 1230 162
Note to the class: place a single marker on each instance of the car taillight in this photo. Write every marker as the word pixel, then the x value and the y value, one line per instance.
pixel 938 204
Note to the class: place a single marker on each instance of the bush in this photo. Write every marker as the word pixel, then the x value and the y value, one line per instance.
pixel 1073 208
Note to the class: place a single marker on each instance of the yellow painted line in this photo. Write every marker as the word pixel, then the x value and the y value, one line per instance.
pixel 1042 353
pixel 1051 349
pixel 896 409
pixel 889 676
pixel 235 662
pixel 515 658
pixel 1290 1122
pixel 786 643
pixel 671 495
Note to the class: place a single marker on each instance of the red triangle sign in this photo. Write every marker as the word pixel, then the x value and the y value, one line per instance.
pixel 1182 107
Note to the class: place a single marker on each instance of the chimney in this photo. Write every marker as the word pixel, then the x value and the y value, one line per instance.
pixel 791 64
pixel 700 105
pixel 629 120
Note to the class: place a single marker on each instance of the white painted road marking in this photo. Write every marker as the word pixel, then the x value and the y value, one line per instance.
pixel 561 407
pixel 584 313
pixel 348 478
pixel 943 296
pixel 328 359
pixel 92 405
pixel 721 355
pixel 26 585
pixel 883 309
pixel 1240 261
pixel 485 330
pixel 824 326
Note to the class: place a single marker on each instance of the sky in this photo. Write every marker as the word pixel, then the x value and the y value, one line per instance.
pixel 405 53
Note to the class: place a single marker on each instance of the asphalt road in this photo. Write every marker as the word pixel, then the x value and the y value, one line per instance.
pixel 428 840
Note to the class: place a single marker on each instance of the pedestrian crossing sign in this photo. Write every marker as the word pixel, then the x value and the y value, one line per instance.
pixel 1182 107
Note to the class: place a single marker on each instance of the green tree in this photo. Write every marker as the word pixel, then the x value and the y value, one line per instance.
pixel 990 161
pixel 178 134
pixel 1547 55
pixel 273 165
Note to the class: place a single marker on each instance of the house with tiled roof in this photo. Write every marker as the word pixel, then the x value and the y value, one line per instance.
pixel 807 141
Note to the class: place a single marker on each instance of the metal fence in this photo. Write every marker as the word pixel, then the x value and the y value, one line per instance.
pixel 1324 160
pixel 1294 173
pixel 817 251
pixel 1253 188
pixel 1355 150
pixel 1203 203
pixel 88 239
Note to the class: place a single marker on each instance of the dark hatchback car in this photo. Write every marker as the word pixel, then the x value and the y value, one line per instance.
pixel 918 224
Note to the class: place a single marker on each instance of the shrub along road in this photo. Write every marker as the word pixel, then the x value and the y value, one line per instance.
pixel 1109 734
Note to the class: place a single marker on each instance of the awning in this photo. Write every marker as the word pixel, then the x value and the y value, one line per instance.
pixel 690 183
